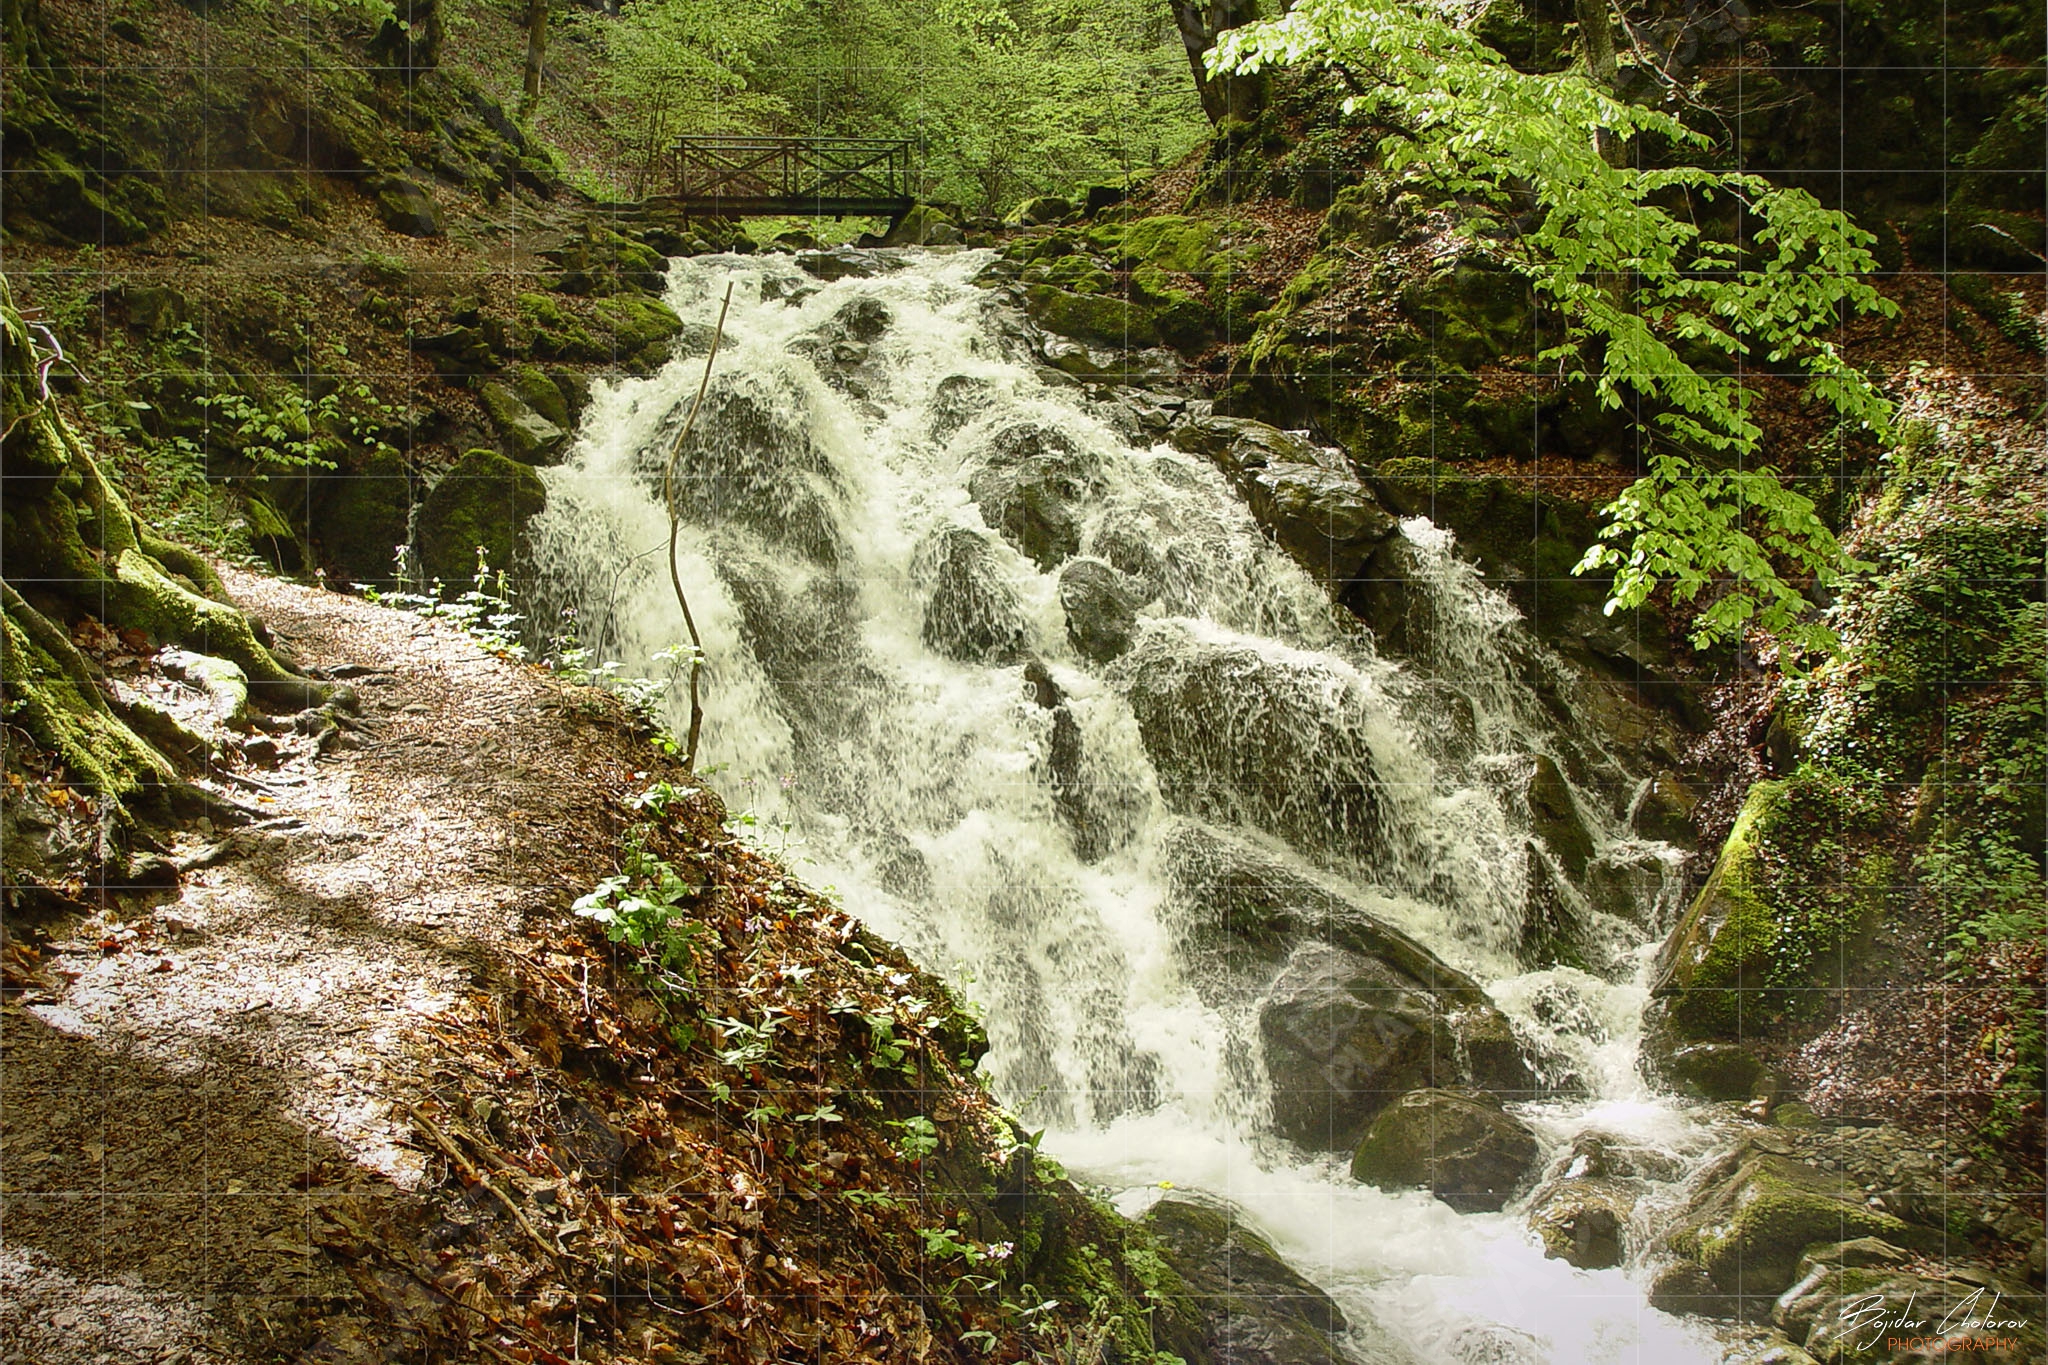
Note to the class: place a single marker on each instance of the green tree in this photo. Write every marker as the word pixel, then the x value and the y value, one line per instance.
pixel 1658 308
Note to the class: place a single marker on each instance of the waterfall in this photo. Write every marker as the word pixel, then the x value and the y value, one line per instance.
pixel 1021 683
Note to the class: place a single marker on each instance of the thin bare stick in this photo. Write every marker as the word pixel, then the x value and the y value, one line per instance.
pixel 675 521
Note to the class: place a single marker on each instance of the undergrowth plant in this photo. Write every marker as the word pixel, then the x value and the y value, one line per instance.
pixel 1658 310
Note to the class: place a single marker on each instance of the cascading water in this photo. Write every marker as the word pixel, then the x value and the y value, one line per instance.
pixel 1032 692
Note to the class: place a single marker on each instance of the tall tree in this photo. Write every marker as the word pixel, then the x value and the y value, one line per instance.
pixel 536 49
pixel 1226 93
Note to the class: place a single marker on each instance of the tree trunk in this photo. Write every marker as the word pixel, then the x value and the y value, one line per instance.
pixel 1596 32
pixel 71 548
pixel 536 48
pixel 1201 23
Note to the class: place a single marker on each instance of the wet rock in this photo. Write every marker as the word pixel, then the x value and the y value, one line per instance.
pixel 1306 497
pixel 1460 1144
pixel 1584 1222
pixel 970 612
pixel 527 436
pixel 845 263
pixel 484 502
pixel 863 320
pixel 1346 1034
pixel 1554 817
pixel 1256 1309
pixel 1603 1156
pixel 957 402
pixel 1129 541
pixel 1101 606
pixel 1239 736
pixel 1712 1071
pixel 750 462
pixel 1751 1215
pixel 1720 950
pixel 1030 488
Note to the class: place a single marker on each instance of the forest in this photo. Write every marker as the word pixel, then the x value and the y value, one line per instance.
pixel 1137 682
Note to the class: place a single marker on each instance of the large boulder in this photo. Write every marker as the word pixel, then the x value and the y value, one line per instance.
pixel 1031 488
pixel 1459 1144
pixel 1255 1308
pixel 1092 319
pixel 1306 497
pixel 1345 1035
pixel 751 462
pixel 1263 738
pixel 1101 605
pixel 480 505
pixel 970 612
pixel 957 401
pixel 1842 1289
pixel 1752 1213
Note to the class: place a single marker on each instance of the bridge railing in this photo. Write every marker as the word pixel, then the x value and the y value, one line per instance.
pixel 743 170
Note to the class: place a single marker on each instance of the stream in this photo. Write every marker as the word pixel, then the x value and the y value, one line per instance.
pixel 895 705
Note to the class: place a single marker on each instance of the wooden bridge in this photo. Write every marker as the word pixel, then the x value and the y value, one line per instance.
pixel 849 177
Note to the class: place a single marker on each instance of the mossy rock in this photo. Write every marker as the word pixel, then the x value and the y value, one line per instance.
pixel 1079 274
pixel 484 502
pixel 1095 320
pixel 1254 1306
pixel 523 434
pixel 542 393
pixel 1722 947
pixel 640 330
pixel 361 516
pixel 1756 1211
pixel 1584 1221
pixel 1170 241
pixel 1459 1144
pixel 405 205
pixel 923 225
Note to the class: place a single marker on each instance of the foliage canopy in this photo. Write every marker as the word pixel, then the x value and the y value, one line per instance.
pixel 1658 308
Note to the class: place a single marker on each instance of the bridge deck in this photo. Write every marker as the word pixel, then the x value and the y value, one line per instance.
pixel 818 176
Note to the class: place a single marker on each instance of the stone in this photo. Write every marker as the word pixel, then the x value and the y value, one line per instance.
pixel 1460 1144
pixel 1584 1221
pixel 1030 489
pixel 923 225
pixel 405 205
pixel 1721 948
pixel 1345 1034
pixel 1753 1213
pixel 1101 606
pixel 1713 1071
pixel 526 436
pixel 484 502
pixel 1042 211
pixel 1255 1308
pixel 1242 736
pixel 970 614
pixel 957 401
pixel 361 517
pixel 1093 319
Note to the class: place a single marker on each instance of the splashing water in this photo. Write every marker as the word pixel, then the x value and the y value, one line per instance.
pixel 886 501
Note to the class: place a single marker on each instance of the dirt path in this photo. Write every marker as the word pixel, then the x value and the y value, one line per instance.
pixel 190 1085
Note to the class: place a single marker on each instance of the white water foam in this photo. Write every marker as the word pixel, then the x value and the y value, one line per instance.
pixel 847 423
